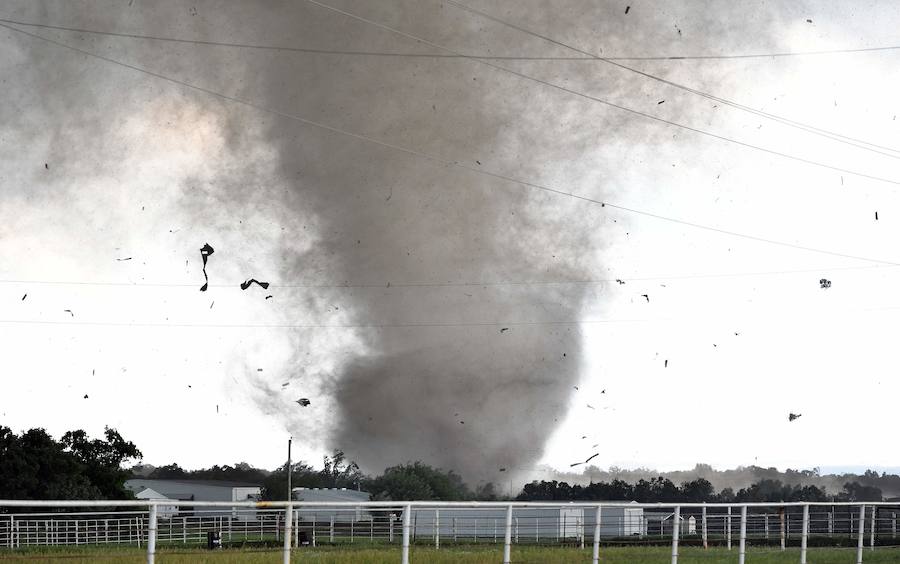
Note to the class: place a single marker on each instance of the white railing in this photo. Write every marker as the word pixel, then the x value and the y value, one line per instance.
pixel 291 524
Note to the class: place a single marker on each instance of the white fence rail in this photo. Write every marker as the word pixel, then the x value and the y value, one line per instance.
pixel 151 524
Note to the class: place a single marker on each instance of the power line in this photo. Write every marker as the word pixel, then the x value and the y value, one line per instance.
pixel 444 162
pixel 602 101
pixel 475 284
pixel 342 52
pixel 859 143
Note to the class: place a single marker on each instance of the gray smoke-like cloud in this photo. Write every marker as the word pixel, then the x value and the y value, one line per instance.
pixel 487 376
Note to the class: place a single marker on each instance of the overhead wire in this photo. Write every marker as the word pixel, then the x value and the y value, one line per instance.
pixel 443 161
pixel 859 143
pixel 470 284
pixel 592 98
pixel 347 52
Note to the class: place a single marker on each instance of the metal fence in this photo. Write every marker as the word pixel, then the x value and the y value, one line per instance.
pixel 290 525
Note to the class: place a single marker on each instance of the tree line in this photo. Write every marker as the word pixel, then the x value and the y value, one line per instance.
pixel 34 465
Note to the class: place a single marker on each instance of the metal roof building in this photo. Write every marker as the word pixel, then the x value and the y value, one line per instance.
pixel 199 490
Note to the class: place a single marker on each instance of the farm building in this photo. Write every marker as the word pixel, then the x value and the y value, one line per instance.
pixel 529 522
pixel 198 490
pixel 325 514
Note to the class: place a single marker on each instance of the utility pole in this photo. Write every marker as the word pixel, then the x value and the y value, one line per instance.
pixel 289 496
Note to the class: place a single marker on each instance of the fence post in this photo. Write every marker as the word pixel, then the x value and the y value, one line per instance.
pixel 507 535
pixel 804 534
pixel 894 525
pixel 676 516
pixel 703 526
pixel 581 528
pixel 872 534
pixel 830 524
pixel 595 557
pixel 728 525
pixel 742 542
pixel 454 530
pixel 781 511
pixel 517 530
pixel 151 535
pixel 437 529
pixel 860 535
pixel 331 531
pixel 404 550
pixel 12 525
pixel 288 518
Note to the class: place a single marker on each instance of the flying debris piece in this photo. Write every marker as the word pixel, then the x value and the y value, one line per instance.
pixel 792 416
pixel 595 446
pixel 286 384
pixel 46 166
pixel 70 312
pixel 808 21
pixel 620 281
pixel 123 259
pixel 303 402
pixel 462 422
pixel 645 296
pixel 876 216
pixel 824 283
pixel 217 408
pixel 590 406
pixel 575 464
pixel 246 284
pixel 269 296
pixel 602 391
pixel 591 457
pixel 503 469
pixel 661 102
pixel 205 251
pixel 584 436
pixel 504 329
pixel 576 387
pixel 189 386
pixel 23 297
pixel 627 8
pixel 259 369
pixel 666 363
pixel 85 396
pixel 212 304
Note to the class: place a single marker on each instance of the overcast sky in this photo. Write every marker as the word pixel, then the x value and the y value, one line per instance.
pixel 428 308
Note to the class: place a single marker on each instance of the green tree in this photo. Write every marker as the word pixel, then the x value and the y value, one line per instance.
pixel 418 481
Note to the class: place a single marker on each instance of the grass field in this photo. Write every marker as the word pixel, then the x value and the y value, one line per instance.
pixel 465 555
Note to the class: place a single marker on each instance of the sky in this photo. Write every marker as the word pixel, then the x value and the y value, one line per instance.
pixel 510 262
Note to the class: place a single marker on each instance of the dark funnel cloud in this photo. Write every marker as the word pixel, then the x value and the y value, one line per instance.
pixel 487 371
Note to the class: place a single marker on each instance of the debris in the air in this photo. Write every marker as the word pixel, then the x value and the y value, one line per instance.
pixel 645 296
pixel 259 369
pixel 666 363
pixel 47 166
pixel 217 408
pixel 462 422
pixel 286 384
pixel 205 251
pixel 602 391
pixel 212 304
pixel 678 30
pixel 246 284
pixel 269 296
pixel 576 387
pixel 479 162
pixel 504 329
pixel 824 283
pixel 627 8
pixel 876 216
pixel 590 406
pixel 85 396
pixel 792 416
pixel 575 464
pixel 808 21
pixel 583 436
pixel 503 469
pixel 123 259
pixel 620 281
pixel 591 457
pixel 70 312
pixel 661 102
pixel 23 297
pixel 303 402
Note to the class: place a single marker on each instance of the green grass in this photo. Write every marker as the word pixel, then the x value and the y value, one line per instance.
pixel 455 554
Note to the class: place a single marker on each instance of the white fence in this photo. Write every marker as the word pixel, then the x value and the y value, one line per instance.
pixel 289 525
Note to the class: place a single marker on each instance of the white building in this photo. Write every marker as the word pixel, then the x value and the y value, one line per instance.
pixel 199 490
pixel 326 514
